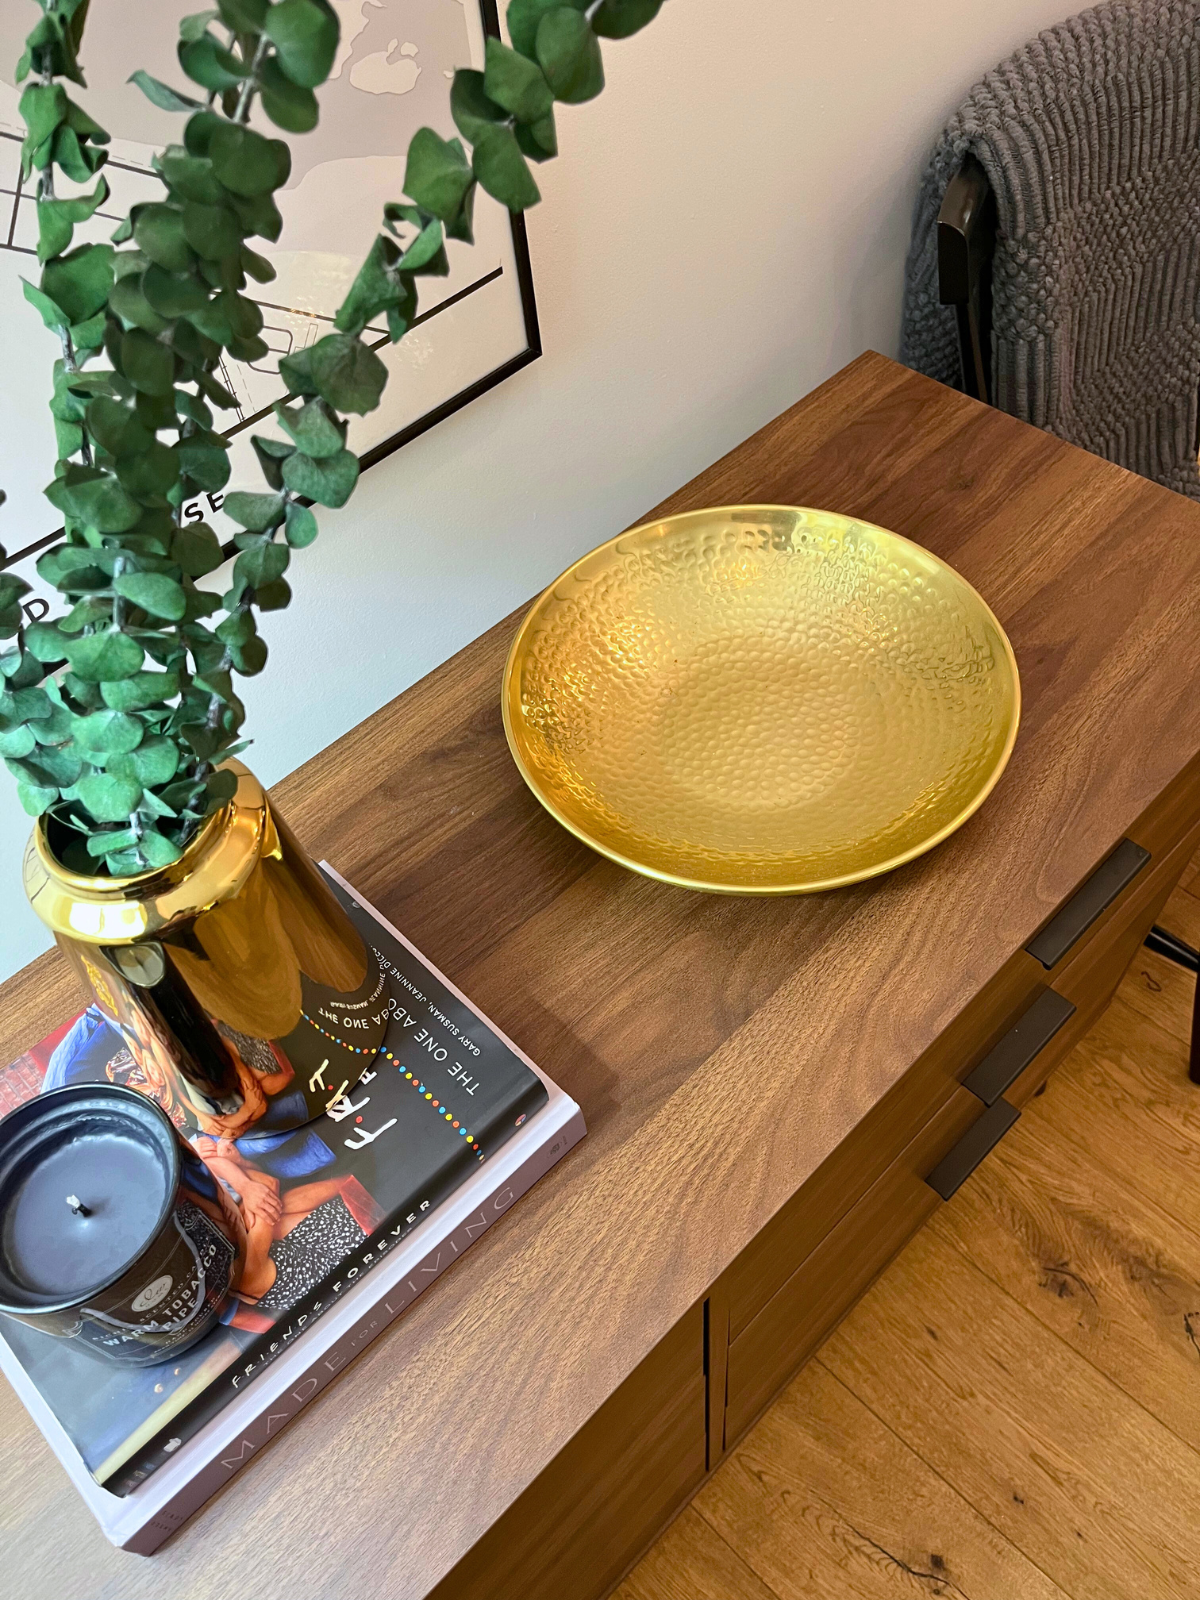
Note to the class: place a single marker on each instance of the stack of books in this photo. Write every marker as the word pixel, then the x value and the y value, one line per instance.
pixel 351 1216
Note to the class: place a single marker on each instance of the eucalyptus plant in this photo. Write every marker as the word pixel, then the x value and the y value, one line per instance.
pixel 116 715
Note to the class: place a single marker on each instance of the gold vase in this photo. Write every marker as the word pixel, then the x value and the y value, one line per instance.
pixel 247 999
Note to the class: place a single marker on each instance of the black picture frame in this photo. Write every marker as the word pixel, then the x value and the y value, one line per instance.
pixel 446 408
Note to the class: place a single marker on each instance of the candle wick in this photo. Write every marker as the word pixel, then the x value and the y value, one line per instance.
pixel 77 1206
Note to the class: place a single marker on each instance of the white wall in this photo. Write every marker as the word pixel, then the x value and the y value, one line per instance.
pixel 725 227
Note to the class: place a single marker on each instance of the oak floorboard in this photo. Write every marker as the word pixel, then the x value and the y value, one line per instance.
pixel 1094 1259
pixel 1127 1099
pixel 821 1499
pixel 1056 1456
pixel 692 1562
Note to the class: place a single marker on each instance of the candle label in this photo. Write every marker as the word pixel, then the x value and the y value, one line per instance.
pixel 192 1267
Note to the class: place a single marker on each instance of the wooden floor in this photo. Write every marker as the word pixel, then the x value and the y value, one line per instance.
pixel 1013 1411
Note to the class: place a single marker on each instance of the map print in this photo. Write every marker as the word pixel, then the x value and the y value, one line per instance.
pixel 391 76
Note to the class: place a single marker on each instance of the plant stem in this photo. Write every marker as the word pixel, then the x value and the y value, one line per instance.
pixel 241 111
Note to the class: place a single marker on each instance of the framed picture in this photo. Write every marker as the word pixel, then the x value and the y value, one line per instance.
pixel 391 76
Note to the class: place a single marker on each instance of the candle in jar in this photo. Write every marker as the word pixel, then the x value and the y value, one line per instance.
pixel 119 1185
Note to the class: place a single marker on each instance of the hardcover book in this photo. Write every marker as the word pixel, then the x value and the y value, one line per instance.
pixel 347 1217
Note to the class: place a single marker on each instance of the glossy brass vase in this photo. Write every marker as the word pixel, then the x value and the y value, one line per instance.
pixel 246 998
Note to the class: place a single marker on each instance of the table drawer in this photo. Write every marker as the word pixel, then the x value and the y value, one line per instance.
pixel 926 1089
pixel 797 1319
pixel 766 1349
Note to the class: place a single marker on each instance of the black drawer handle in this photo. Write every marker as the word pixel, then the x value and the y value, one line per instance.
pixel 980 1139
pixel 1007 1060
pixel 1088 902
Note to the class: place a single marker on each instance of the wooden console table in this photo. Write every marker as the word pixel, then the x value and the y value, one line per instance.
pixel 767 1082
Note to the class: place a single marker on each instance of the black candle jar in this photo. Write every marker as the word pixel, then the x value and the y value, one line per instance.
pixel 113 1233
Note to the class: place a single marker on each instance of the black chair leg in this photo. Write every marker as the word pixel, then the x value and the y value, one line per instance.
pixel 1166 944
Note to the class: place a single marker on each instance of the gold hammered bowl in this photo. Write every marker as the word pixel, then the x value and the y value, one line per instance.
pixel 761 700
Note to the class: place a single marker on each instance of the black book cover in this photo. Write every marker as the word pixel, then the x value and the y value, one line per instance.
pixel 322 1204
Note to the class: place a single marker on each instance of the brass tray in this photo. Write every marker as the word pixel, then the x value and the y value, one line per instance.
pixel 761 700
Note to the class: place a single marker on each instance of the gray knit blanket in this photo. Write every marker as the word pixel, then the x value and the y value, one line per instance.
pixel 1090 136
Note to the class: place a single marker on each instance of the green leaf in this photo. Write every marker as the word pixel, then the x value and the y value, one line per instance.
pixel 237 628
pixel 243 16
pixel 109 799
pixel 204 459
pixel 270 453
pixel 617 19
pixel 438 174
pixel 262 563
pixel 57 219
pixel 95 498
pixel 313 428
pixel 126 301
pixel 150 473
pixel 246 163
pixel 77 159
pixel 216 681
pixel 191 406
pixel 216 392
pixel 59 766
pixel 158 233
pixel 207 64
pixel 195 25
pixel 288 105
pixel 158 850
pixel 171 294
pixel 254 511
pixel 377 287
pixel 296 371
pixel 53 316
pixel 273 596
pixel 42 108
pixel 516 83
pixel 17 742
pixel 115 427
pixel 140 692
pixel 89 335
pixel 523 17
pixel 191 177
pixel 245 317
pixel 470 106
pixel 104 657
pixel 35 798
pixel 329 481
pixel 538 140
pixel 569 54
pixel 346 373
pixel 426 254
pixel 258 214
pixel 250 658
pixel 153 592
pixel 212 231
pixel 45 643
pixel 502 171
pixel 109 733
pixel 155 761
pixel 161 94
pixel 102 844
pixel 256 266
pixel 305 36
pixel 197 549
pixel 301 526
pixel 149 365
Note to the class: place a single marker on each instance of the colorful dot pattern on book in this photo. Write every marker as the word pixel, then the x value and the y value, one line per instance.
pixel 410 1077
